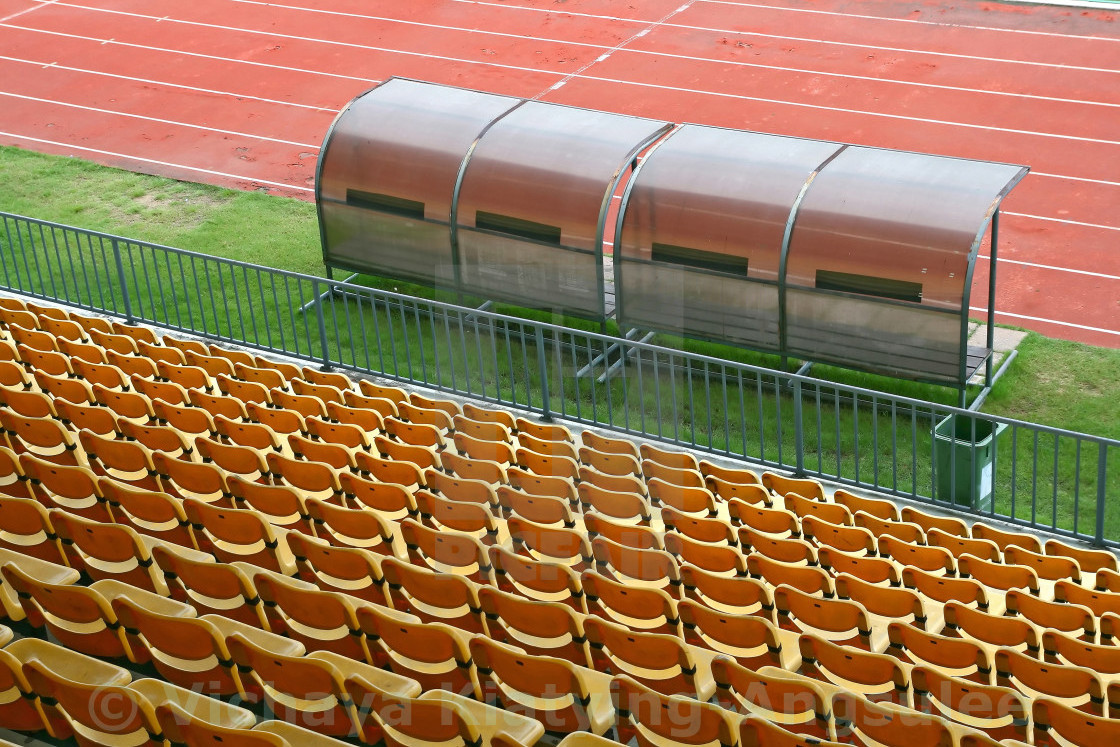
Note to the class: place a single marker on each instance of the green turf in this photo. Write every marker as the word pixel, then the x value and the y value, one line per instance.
pixel 1058 383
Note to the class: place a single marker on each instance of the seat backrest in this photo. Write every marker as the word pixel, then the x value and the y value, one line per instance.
pixel 655 718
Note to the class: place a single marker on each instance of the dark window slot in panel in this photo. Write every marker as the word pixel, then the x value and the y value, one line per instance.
pixel 526 229
pixel 385 203
pixel 867 285
pixel 683 255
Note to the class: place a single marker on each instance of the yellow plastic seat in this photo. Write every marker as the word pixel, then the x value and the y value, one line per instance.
pixel 167 439
pixel 998 576
pixel 641 609
pixel 683 478
pixel 833 513
pixel 166 391
pixel 432 596
pixel 195 480
pixel 637 536
pixel 1004 539
pixel 303 405
pixel 352 527
pixel 874 677
pixel 625 507
pixel 563 697
pixel 640 568
pixel 1073 619
pixel 42 571
pixel 945 589
pixel 433 654
pixel 187 376
pixel 722 559
pixel 555 544
pixel 750 493
pixel 475 519
pixel 781 486
pixel 958 546
pixel 315 479
pixel 192 422
pixel 212 588
pixel 616 483
pixel 539 509
pixel 108 551
pixel 878 571
pixel 446 551
pixel 849 539
pixel 241 462
pixel 662 662
pixel 388 498
pixel 788 550
pixel 736 475
pixel 1089 561
pixel 1057 725
pixel 805 578
pixel 281 506
pixel 153 514
pixel 797 704
pixel 886 604
pixel 486 415
pixel 345 570
pixel 936 560
pixel 28 403
pixel 775 522
pixel 234 534
pixel 317 377
pixel 536 580
pixel 45 438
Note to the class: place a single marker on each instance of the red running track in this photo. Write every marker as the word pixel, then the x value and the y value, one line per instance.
pixel 240 93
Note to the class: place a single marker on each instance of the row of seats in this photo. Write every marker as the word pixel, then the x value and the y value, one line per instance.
pixel 504 520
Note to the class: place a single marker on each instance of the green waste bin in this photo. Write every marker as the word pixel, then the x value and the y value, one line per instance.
pixel 971 480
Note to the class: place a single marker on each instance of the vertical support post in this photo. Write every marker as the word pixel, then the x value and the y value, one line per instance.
pixel 542 369
pixel 124 281
pixel 1102 475
pixel 798 431
pixel 320 315
pixel 992 300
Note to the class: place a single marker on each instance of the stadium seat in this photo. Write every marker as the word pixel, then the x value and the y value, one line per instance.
pixel 235 534
pixel 958 546
pixel 432 596
pixel 460 489
pixel 547 431
pixel 641 609
pixel 486 428
pixel 750 640
pixel 314 479
pixel 486 415
pixel 999 712
pixel 876 507
pixel 1090 561
pixel 210 587
pixel 757 732
pixel 951 656
pixel 927 521
pixel 936 560
pixel 28 403
pixel 370 421
pixel 539 628
pixel 181 728
pixel 281 506
pixel 849 539
pixel 706 530
pixel 798 704
pixel 637 536
pixel 401 451
pixel 448 552
pixel 750 493
pixel 102 550
pixel 388 498
pixel 1067 618
pixel 720 559
pixel 1098 602
pixel 539 509
pixel 878 571
pixel 237 461
pixel 617 483
pixel 1071 686
pixel 72 488
pixel 835 620
pixel 998 576
pixel 1004 539
pixel 43 571
pixel 782 486
pixel 991 631
pixel 539 464
pixel 345 570
pixel 382 406
pixel 553 544
pixel 886 725
pixel 284 422
pixel 187 376
pixel 833 513
pixel 1058 725
pixel 944 589
pixel 536 580
pixel 874 677
pixel 192 422
pixel 662 662
pixel 230 408
pixel 25 527
pixel 788 550
pixel 433 654
pixel 303 405
pixel 154 514
pixel 903 530
pixel 629 507
pixel 195 480
pixel 544 446
pixel 320 620
pixel 475 519
pixel 44 438
pixel 778 523
pixel 649 568
pixel 654 718
pixel 728 594
pixel 562 697
pixel 885 604
pixel 682 478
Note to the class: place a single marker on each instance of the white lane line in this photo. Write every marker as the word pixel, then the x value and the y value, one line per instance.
pixel 916 21
pixel 693 58
pixel 740 97
pixel 1075 178
pixel 1063 220
pixel 603 57
pixel 1055 268
pixel 140 159
pixel 821 107
pixel 759 34
pixel 131 45
pixel 166 84
pixel 176 123
pixel 1047 321
pixel 25 11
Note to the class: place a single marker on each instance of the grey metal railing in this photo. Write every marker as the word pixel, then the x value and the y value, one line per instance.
pixel 1028 474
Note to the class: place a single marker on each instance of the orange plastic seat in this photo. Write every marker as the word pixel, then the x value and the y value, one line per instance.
pixel 236 461
pixel 197 480
pixel 246 391
pixel 649 568
pixel 184 345
pixel 45 438
pixel 320 620
pixel 167 391
pixel 323 392
pixel 721 559
pixel 616 483
pixel 1075 687
pixel 757 732
pixel 781 486
pixel 484 430
pixel 689 499
pixel 461 489
pixel 1060 648
pixel 209 586
pixel 712 531
pixel 547 431
pixel 94 418
pixel 835 620
pixel 107 551
pixel 35 339
pixel 935 560
pixel 554 544
pixel 630 535
pixel 254 435
pixel 1100 603
pixel 539 464
pixel 269 378
pixel 1004 539
pixel 683 478
pixel 317 377
pixel 335 456
pixel 876 507
pixel 641 609
pixel 1090 561
pixel 879 571
pixel 926 521
pixel 728 594
pixel 230 408
pixel 954 657
pixel 28 403
pixel 388 499
pixel 558 694
pixel 995 575
pixel 391 393
pixel 345 570
pixel 1057 725
pixel 849 539
pixel 281 420
pixel 25 527
pixel 382 406
pixel 805 578
pixel 232 534
pixel 886 725
pixel 14 374
pixel 129 462
pixel 750 493
pixel 191 421
pixel 52 362
pixel 280 505
pixel 18 709
pixel 432 596
pixel 169 440
pixel 1000 712
pixel 431 653
pixel 537 627
pixel 536 580
pixel 875 677
pixel 609 463
pixel 674 459
pixel 737 475
pixel 186 376
pixel 438 419
pixel 405 474
pixel 315 479
pixel 152 513
pixel 655 719
pixel 608 445
pixel 750 640
pixel 342 434
pixel 1068 618
pixel 416 434
pixel 944 589
pixel 990 630
pixel 833 513
pixel 886 603
pixel 789 550
pixel 127 405
pixel 958 546
pixel 797 704
pixel 399 451
pixel 486 415
pixel 777 522
pixel 543 446
pixel 661 662
pixel 73 489
pixel 370 421
pixel 302 404
pixel 536 508
pixel 629 507
pixel 448 552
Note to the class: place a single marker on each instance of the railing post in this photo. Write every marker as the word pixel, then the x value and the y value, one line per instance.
pixel 325 355
pixel 542 368
pixel 124 282
pixel 798 431
pixel 1102 475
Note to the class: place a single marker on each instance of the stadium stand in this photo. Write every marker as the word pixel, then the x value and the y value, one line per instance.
pixel 518 582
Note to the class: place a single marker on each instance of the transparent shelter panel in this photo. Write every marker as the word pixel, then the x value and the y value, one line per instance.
pixel 713 307
pixel 403 248
pixel 393 156
pixel 868 334
pixel 534 191
pixel 532 275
